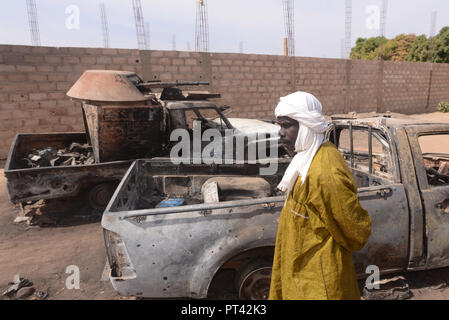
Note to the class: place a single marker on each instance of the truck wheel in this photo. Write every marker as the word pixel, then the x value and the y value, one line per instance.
pixel 100 195
pixel 254 281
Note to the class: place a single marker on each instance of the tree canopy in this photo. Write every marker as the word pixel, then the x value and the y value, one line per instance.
pixel 404 47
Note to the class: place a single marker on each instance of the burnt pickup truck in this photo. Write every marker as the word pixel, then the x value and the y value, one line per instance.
pixel 226 217
pixel 94 182
pixel 125 119
pixel 99 180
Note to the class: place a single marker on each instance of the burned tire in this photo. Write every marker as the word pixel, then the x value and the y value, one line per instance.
pixel 99 195
pixel 254 280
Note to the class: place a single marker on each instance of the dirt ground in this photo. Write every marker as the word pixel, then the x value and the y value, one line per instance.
pixel 42 254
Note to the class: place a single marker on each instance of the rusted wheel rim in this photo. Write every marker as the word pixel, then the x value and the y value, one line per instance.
pixel 256 285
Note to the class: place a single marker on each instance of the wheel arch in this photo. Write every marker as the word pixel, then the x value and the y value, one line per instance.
pixel 204 274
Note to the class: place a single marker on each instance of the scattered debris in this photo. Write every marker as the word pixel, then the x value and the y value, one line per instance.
pixel 41 295
pixel 16 285
pixel 31 208
pixel 75 154
pixel 396 288
pixel 57 212
pixel 441 286
pixel 20 219
pixel 22 288
pixel 24 292
pixel 30 212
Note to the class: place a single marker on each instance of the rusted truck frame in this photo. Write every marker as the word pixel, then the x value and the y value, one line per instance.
pixel 175 252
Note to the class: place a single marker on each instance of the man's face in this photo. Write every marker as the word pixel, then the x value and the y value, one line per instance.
pixel 288 132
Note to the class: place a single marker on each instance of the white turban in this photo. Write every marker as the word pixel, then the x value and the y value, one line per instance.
pixel 307 110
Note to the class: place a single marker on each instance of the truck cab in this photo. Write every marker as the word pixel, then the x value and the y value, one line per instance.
pixel 405 188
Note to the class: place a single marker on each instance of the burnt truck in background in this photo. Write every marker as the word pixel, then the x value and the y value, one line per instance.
pixel 227 216
pixel 125 119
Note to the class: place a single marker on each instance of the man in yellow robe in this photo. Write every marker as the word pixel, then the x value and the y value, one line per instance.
pixel 322 222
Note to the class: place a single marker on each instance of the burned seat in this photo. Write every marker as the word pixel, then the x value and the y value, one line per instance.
pixel 234 188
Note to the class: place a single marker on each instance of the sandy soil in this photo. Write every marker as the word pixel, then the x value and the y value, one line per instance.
pixel 42 254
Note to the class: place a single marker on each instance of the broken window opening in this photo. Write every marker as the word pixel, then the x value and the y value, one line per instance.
pixel 435 152
pixel 368 152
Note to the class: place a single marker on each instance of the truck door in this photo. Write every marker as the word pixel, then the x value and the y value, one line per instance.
pixel 373 160
pixel 430 148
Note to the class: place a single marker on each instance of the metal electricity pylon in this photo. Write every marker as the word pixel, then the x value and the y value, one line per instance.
pixel 105 25
pixel 148 35
pixel 348 28
pixel 433 23
pixel 140 26
pixel 383 18
pixel 33 23
pixel 289 22
pixel 202 27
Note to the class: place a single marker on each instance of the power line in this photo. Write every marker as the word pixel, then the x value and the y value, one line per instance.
pixel 140 27
pixel 348 28
pixel 33 23
pixel 289 22
pixel 202 27
pixel 105 25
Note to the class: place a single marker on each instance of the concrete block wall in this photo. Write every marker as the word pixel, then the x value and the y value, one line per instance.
pixel 251 84
pixel 363 86
pixel 439 89
pixel 405 86
pixel 324 78
pixel 34 82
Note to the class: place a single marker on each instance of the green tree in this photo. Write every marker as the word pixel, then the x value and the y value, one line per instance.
pixel 440 46
pixel 420 50
pixel 367 49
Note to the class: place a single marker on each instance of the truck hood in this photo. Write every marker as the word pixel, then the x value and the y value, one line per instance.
pixel 247 126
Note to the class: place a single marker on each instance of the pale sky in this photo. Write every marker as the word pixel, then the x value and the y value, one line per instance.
pixel 258 24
